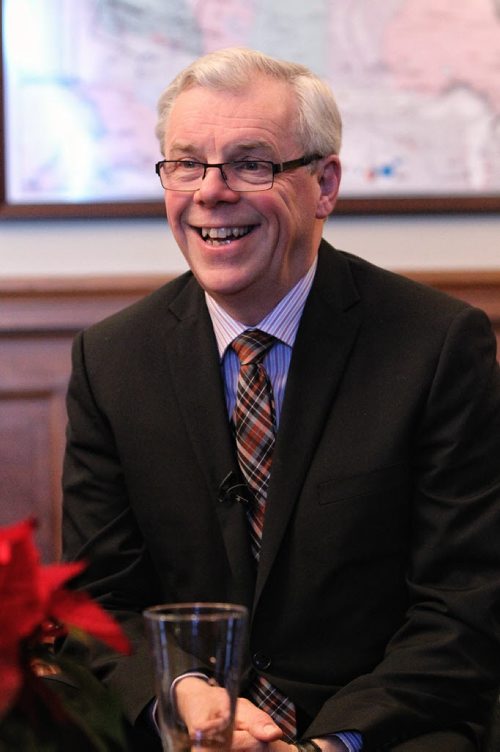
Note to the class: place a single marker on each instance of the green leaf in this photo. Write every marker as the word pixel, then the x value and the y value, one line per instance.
pixel 91 708
pixel 70 712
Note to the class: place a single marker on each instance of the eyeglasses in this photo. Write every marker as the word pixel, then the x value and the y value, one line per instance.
pixel 241 175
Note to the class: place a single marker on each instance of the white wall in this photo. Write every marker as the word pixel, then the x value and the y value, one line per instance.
pixel 109 247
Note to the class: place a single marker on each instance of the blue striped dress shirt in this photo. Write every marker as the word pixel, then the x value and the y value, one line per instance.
pixel 282 322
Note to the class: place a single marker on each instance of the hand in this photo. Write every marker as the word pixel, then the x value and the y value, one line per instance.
pixel 255 731
pixel 204 708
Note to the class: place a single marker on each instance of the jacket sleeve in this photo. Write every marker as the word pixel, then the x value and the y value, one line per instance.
pixel 99 528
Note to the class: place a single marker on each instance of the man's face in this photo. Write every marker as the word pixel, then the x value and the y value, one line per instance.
pixel 275 233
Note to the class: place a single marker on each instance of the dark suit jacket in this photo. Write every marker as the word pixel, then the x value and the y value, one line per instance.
pixel 376 602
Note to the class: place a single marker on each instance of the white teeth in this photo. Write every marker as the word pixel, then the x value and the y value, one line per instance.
pixel 221 233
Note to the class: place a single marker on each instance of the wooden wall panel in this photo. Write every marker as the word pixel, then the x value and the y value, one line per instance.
pixel 38 320
pixel 33 378
pixel 28 467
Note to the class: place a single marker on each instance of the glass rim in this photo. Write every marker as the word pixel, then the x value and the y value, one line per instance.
pixel 194 610
pixel 259 188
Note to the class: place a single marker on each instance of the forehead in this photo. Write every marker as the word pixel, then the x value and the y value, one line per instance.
pixel 264 114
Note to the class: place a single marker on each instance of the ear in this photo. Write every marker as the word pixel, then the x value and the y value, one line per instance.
pixel 328 174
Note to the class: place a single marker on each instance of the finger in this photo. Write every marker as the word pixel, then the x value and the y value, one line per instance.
pixel 259 724
pixel 206 709
pixel 244 742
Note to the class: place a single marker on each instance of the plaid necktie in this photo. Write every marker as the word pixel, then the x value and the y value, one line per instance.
pixel 254 424
pixel 255 435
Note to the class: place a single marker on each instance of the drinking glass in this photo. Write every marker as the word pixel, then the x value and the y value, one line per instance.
pixel 202 641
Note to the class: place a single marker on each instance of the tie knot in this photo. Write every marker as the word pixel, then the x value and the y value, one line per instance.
pixel 251 346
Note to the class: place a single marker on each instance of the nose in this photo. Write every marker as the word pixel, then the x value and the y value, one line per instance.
pixel 213 188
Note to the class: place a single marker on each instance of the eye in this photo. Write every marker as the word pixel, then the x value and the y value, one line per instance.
pixel 253 166
pixel 187 164
pixel 248 166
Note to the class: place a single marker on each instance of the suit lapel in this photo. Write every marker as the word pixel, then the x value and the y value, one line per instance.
pixel 324 341
pixel 195 370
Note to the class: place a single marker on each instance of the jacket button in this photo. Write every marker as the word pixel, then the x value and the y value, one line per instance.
pixel 261 660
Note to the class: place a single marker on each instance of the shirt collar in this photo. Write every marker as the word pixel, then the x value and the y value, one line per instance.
pixel 282 322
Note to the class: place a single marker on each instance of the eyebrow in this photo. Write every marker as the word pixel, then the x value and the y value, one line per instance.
pixel 247 146
pixel 182 148
pixel 234 150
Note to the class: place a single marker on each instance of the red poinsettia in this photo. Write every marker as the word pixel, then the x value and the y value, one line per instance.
pixel 33 604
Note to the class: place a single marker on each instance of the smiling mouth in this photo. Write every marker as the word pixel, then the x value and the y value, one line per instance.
pixel 223 235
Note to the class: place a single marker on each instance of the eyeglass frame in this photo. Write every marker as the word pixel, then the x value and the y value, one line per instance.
pixel 277 167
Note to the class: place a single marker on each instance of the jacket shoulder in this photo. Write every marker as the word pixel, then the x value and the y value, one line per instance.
pixel 153 306
pixel 390 290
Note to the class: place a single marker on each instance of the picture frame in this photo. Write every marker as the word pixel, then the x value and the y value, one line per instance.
pixel 45 204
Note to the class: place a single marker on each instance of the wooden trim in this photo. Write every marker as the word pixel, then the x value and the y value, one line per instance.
pixel 130 283
pixel 423 205
pixel 379 206
pixel 66 304
pixel 456 277
pixel 103 284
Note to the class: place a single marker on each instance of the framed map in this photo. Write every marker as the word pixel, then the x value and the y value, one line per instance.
pixel 417 83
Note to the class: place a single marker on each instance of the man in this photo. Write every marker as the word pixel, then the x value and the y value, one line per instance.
pixel 373 585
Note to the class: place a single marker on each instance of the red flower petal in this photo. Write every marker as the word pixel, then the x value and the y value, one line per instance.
pixel 52 576
pixel 11 679
pixel 21 609
pixel 75 608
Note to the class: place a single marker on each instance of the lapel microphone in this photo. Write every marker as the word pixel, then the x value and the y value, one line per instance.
pixel 232 489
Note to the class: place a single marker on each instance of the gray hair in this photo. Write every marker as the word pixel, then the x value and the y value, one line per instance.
pixel 319 125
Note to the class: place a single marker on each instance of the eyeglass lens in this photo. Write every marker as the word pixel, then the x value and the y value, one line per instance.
pixel 238 176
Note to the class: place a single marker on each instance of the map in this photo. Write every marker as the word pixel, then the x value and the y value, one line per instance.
pixel 417 83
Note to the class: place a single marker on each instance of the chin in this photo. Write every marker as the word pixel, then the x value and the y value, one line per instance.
pixel 230 291
pixel 220 280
